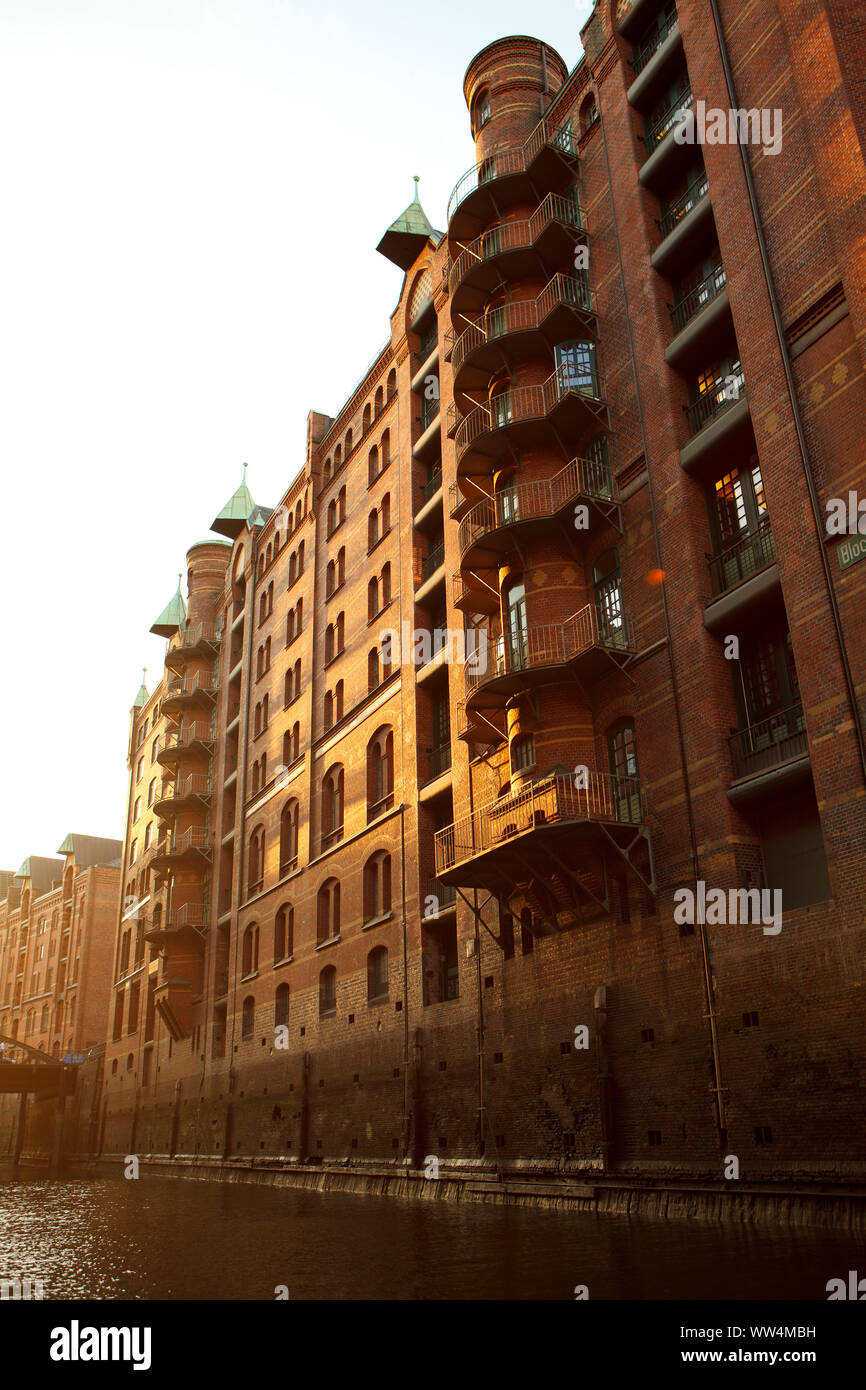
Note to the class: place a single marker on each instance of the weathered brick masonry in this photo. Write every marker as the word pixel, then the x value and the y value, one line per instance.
pixel 424 878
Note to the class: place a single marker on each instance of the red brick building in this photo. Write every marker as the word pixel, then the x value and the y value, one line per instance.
pixel 409 904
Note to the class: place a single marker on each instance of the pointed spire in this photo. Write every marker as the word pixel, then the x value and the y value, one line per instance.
pixel 172 617
pixel 142 697
pixel 406 237
pixel 237 511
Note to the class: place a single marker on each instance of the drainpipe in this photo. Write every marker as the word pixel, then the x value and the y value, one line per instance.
pixel 706 963
pixel 792 396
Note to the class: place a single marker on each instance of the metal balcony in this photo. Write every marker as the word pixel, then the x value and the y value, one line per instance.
pixel 541 840
pixel 747 555
pixel 192 738
pixel 512 249
pixel 568 403
pixel 526 327
pixel 584 643
pixel 182 690
pixel 548 154
pixel 203 639
pixel 489 527
pixel 192 844
pixel 778 742
pixel 181 795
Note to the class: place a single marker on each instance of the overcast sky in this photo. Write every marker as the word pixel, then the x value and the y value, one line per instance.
pixel 192 195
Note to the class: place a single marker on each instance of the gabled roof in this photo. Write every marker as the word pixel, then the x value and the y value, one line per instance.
pixel 43 873
pixel 92 849
pixel 406 236
pixel 172 617
pixel 236 512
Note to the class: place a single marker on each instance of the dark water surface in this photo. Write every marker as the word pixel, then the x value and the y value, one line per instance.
pixel 107 1238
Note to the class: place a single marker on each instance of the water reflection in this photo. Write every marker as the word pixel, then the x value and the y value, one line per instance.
pixel 108 1238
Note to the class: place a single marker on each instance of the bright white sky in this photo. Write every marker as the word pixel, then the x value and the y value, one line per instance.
pixel 192 195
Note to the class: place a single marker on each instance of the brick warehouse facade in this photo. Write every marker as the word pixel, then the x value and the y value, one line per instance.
pixel 382 901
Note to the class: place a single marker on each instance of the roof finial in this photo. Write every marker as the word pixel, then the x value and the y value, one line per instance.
pixel 144 675
pixel 245 473
pixel 417 181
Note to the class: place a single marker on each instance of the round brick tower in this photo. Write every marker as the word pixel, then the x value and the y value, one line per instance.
pixel 537 512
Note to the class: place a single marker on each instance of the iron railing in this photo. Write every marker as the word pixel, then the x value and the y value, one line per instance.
pixel 427 343
pixel 432 560
pixel 554 134
pixel 517 236
pixel 554 800
pixel 197 784
pixel 198 732
pixel 542 498
pixel 657 128
pixel 722 393
pixel 547 644
pixel 429 412
pixel 432 485
pixel 774 740
pixel 677 209
pixel 696 299
pixel 438 760
pixel 528 403
pixel 444 893
pixel 203 681
pixel 645 50
pixel 523 315
pixel 748 554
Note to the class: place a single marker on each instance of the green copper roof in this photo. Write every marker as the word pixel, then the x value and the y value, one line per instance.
pixel 140 700
pixel 405 237
pixel 172 617
pixel 237 511
pixel 24 871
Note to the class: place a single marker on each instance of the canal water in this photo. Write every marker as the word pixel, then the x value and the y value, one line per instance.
pixel 158 1238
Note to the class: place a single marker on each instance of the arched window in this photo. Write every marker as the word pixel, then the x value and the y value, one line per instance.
pixel 293 569
pixel 265 712
pixel 386 513
pixel 392 384
pixel 289 837
pixel 348 443
pixel 257 725
pixel 372 465
pixel 248 1018
pixel 250 950
pixel 284 932
pixel 338 701
pixel 380 773
pixel 256 869
pixel 332 805
pixel 300 559
pixel 365 424
pixel 328 991
pixel 332 516
pixel 326 472
pixel 385 586
pixel 341 565
pixel 372 599
pixel 289 689
pixel 341 504
pixel 377 886
pixel 329 708
pixel 281 1006
pixel 373 668
pixel 386 450
pixel 482 109
pixel 328 911
pixel 377 974
pixel 338 458
pixel 379 401
pixel 340 633
pixel 329 643
pixel 268 556
pixel 330 578
pixel 372 529
pixel 588 113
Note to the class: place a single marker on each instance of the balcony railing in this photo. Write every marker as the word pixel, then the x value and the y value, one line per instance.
pixel 696 299
pixel 432 560
pixel 437 761
pixel 432 486
pixel 444 893
pixel 557 135
pixel 528 403
pixel 197 784
pixel 427 343
pixel 679 207
pixel 199 732
pixel 523 315
pixel 555 800
pixel 547 644
pixel 747 555
pixel 202 681
pixel 516 236
pixel 429 412
pixel 193 915
pixel 645 50
pixel 660 125
pixel 196 838
pixel 544 498
pixel 774 740
pixel 719 396
pixel 203 634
